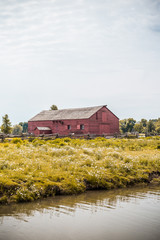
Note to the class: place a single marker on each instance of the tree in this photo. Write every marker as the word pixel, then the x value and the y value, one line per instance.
pixel 17 129
pixel 157 125
pixel 127 125
pixel 53 107
pixel 143 122
pixel 141 126
pixel 138 127
pixel 130 124
pixel 123 124
pixel 6 125
pixel 150 126
pixel 24 126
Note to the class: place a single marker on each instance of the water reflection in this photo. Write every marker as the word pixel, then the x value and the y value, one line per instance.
pixel 90 201
pixel 121 214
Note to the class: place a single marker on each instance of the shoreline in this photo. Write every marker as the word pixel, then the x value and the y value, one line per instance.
pixel 153 182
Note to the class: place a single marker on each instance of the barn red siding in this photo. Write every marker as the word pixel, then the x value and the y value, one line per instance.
pixel 102 122
pixel 60 127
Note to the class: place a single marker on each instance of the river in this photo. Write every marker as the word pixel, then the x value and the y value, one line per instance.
pixel 123 214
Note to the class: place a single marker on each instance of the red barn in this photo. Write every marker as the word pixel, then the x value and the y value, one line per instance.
pixel 90 120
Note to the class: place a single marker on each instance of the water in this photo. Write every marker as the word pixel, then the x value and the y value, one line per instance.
pixel 127 214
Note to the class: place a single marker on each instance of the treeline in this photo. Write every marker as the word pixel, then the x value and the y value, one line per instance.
pixel 17 129
pixel 151 127
pixel 129 125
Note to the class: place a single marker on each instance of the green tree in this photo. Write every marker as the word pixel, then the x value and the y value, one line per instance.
pixel 157 126
pixel 127 125
pixel 24 126
pixel 6 125
pixel 150 126
pixel 130 124
pixel 143 122
pixel 53 107
pixel 158 130
pixel 141 126
pixel 17 129
pixel 138 127
pixel 123 125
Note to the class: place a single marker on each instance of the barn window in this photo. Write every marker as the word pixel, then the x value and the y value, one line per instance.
pixel 82 126
pixel 68 127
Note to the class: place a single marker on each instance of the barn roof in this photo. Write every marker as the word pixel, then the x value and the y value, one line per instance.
pixel 64 114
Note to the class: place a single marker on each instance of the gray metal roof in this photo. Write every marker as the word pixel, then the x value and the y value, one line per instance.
pixel 64 114
pixel 43 128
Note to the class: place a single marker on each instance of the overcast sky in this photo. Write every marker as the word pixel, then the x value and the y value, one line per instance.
pixel 80 53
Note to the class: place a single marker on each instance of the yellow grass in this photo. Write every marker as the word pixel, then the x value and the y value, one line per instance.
pixel 32 170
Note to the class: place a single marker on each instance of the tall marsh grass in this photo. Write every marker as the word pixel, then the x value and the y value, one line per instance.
pixel 30 170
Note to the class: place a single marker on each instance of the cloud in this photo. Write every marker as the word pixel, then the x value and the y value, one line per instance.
pixel 81 23
pixel 108 47
pixel 35 24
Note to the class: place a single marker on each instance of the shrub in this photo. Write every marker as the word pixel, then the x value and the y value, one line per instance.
pixel 16 140
pixel 67 139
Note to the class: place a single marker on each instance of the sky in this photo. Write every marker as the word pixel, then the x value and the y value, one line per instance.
pixel 79 53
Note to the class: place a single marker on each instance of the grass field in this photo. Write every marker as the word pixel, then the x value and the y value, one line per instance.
pixel 37 169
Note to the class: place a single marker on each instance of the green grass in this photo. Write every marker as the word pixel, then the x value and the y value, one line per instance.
pixel 30 170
